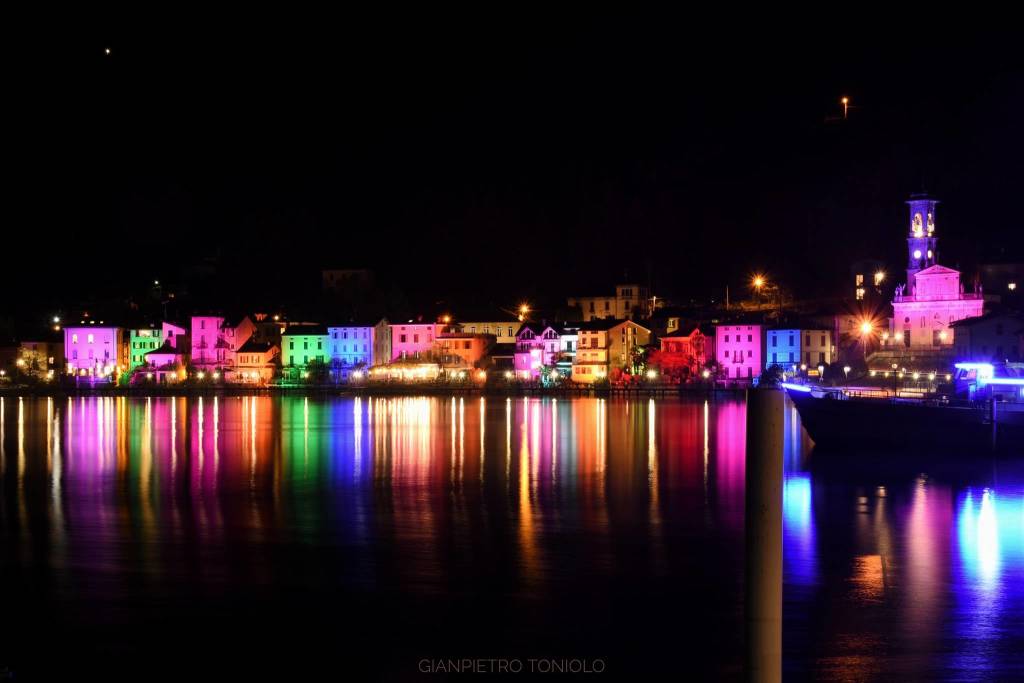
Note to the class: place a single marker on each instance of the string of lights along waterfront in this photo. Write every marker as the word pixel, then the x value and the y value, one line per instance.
pixel 562 524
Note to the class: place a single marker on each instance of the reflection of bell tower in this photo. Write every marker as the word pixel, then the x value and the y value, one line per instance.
pixel 922 249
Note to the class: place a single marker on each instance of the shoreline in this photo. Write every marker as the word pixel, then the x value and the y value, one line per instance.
pixel 378 390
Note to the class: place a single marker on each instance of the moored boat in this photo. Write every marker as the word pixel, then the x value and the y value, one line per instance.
pixel 984 412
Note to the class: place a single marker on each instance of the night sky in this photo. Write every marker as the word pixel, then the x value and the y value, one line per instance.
pixel 499 158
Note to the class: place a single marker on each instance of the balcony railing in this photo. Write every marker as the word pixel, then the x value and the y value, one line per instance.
pixel 910 298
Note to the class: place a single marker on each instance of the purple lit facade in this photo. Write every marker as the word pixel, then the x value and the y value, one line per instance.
pixel 95 351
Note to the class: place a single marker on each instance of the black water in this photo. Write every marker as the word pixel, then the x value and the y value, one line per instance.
pixel 306 539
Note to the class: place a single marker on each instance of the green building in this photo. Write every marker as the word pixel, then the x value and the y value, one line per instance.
pixel 141 342
pixel 303 348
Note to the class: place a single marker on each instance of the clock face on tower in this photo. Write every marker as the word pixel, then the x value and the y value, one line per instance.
pixel 917 226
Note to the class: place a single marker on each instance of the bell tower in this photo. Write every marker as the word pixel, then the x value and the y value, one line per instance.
pixel 922 244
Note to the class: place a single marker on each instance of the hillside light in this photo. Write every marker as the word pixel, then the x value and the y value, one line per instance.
pixel 508 374
pixel 1012 286
pixel 216 375
pixel 56 318
pixel 651 374
pixel 758 282
pixel 706 374
pixel 200 375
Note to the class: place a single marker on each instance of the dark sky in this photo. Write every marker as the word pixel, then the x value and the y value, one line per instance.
pixel 496 158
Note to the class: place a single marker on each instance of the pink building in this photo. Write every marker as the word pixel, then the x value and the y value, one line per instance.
pixel 414 340
pixel 739 351
pixel 933 297
pixel 537 346
pixel 215 340
pixel 922 319
pixel 95 351
pixel 165 364
pixel 175 335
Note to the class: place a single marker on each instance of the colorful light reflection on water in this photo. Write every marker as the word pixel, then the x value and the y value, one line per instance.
pixel 452 524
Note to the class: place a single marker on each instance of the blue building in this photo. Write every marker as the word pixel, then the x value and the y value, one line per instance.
pixel 358 346
pixel 782 349
pixel 810 346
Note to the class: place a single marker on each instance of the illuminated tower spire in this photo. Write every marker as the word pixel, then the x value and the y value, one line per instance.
pixel 922 244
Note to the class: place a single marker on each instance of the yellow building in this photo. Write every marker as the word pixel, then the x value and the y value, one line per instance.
pixel 630 300
pixel 607 345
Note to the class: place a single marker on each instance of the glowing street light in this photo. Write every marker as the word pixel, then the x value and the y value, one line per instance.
pixel 845 101
pixel 56 319
pixel 879 277
pixel 651 374
pixel 758 282
pixel 846 371
pixel 1012 286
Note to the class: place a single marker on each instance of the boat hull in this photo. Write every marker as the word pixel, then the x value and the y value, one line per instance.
pixel 842 424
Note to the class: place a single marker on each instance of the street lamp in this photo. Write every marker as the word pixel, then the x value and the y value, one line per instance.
pixel 866 329
pixel 845 101
pixel 846 371
pixel 821 374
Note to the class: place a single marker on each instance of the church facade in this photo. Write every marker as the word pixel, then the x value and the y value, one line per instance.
pixel 933 297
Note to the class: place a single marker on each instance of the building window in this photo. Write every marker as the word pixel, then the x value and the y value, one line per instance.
pixel 90 339
pixel 74 339
pixel 750 338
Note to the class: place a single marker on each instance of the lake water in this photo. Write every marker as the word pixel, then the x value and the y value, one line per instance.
pixel 289 538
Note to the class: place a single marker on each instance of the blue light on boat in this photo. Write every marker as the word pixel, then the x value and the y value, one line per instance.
pixel 796 387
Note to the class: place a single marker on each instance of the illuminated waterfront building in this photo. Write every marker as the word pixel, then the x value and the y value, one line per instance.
pixel 215 340
pixel 165 364
pixel 255 363
pixel 461 351
pixel 606 345
pixel 359 345
pixel 140 342
pixel 739 350
pixel 695 345
pixel 413 340
pixel 785 348
pixel 303 345
pixel 538 346
pixel 94 351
